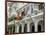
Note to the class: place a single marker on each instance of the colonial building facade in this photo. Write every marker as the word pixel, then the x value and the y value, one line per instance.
pixel 30 18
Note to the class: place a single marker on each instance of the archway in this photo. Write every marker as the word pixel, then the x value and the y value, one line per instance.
pixel 20 28
pixel 32 27
pixel 13 28
pixel 40 26
pixel 25 28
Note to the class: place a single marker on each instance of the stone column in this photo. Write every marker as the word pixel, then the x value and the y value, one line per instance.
pixel 16 28
pixel 28 27
pixel 36 27
pixel 12 29
pixel 42 28
pixel 22 28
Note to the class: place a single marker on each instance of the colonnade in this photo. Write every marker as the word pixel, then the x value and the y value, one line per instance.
pixel 29 27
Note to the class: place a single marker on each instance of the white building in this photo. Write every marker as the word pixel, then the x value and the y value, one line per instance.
pixel 32 21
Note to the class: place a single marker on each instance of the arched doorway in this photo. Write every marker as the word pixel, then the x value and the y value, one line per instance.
pixel 32 27
pixel 20 28
pixel 25 28
pixel 41 26
pixel 13 28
